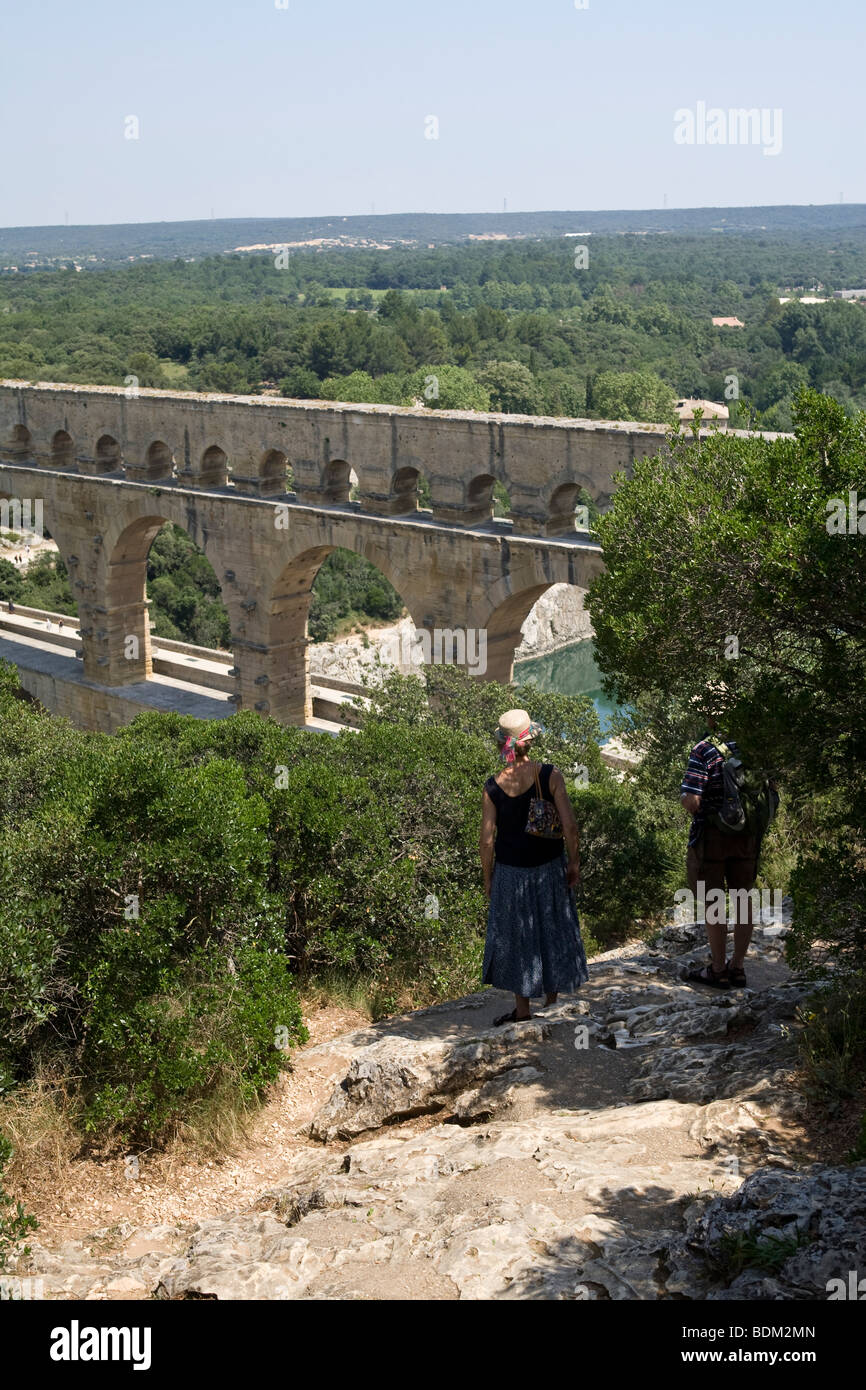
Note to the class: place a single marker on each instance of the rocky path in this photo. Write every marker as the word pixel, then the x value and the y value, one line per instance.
pixel 616 1146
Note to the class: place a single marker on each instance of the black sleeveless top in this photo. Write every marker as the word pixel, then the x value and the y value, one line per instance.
pixel 513 845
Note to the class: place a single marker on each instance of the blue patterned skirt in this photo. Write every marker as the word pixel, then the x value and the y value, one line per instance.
pixel 533 943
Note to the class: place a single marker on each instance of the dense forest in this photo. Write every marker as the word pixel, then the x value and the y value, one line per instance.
pixel 610 326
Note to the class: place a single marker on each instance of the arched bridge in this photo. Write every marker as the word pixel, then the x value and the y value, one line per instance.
pixel 262 484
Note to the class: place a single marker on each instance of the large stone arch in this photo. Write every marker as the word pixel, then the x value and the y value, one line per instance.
pixel 113 658
pixel 503 630
pixel 511 598
pixel 286 687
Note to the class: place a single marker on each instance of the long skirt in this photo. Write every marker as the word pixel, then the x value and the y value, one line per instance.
pixel 533 943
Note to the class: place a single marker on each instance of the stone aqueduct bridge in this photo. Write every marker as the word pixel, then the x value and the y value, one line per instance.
pixel 111 467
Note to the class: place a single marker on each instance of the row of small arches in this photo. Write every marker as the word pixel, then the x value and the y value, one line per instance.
pixel 274 477
pixel 159 463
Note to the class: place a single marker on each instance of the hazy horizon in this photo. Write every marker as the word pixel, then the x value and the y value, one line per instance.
pixel 214 109
pixel 421 212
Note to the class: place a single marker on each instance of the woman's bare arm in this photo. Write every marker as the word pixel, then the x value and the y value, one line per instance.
pixel 569 824
pixel 488 839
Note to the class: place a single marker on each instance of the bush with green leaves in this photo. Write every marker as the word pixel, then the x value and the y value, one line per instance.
pixel 628 862
pixel 138 938
pixel 14 1223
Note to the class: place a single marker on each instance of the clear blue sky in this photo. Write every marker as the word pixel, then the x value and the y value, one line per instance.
pixel 247 110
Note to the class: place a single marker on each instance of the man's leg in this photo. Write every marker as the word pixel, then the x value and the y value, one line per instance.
pixel 741 873
pixel 703 877
pixel 717 929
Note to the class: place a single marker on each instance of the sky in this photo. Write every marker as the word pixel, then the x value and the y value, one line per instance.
pixel 167 110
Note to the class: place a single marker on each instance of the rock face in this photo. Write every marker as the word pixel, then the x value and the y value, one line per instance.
pixel 557 620
pixel 632 1142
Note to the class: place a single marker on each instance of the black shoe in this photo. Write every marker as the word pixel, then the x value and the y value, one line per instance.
pixel 706 975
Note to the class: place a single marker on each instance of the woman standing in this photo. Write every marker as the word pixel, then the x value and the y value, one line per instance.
pixel 533 944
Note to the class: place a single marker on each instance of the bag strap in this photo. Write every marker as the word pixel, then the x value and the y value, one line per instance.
pixel 538 784
pixel 720 747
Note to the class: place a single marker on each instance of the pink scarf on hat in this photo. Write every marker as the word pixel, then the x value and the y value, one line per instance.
pixel 508 752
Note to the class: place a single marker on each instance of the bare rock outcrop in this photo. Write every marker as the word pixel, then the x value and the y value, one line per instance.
pixel 630 1142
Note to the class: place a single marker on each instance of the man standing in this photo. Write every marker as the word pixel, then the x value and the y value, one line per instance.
pixel 715 860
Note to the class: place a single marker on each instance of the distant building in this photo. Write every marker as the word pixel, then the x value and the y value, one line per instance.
pixel 727 323
pixel 849 294
pixel 711 411
pixel 804 299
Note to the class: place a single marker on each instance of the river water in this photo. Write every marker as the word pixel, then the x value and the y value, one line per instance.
pixel 570 671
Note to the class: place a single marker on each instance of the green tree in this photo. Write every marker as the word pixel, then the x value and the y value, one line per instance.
pixel 632 396
pixel 512 388
pixel 11 582
pixel 723 565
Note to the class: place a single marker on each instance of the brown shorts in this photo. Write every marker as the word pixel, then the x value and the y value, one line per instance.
pixel 722 861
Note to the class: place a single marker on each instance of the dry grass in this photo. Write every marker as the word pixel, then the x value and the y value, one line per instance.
pixel 39 1121
pixel 222 1159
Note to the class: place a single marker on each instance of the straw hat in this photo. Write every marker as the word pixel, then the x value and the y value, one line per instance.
pixel 516 724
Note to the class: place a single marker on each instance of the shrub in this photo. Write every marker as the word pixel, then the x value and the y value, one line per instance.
pixel 137 931
pixel 626 862
pixel 14 1224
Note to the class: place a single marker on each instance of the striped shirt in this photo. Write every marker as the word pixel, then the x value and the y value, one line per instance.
pixel 703 778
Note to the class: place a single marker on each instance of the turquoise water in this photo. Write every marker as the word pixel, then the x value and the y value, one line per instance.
pixel 571 671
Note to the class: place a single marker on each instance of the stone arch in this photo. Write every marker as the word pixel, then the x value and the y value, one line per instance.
pixel 214 467
pixel 503 630
pixel 107 455
pixel 404 491
pixel 19 444
pixel 158 461
pixel 125 602
pixel 479 498
pixel 337 481
pixel 23 511
pixel 288 696
pixel 560 518
pixel 62 452
pixel 275 474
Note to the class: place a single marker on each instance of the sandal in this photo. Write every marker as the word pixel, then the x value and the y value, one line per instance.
pixel 737 975
pixel 510 1018
pixel 706 975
